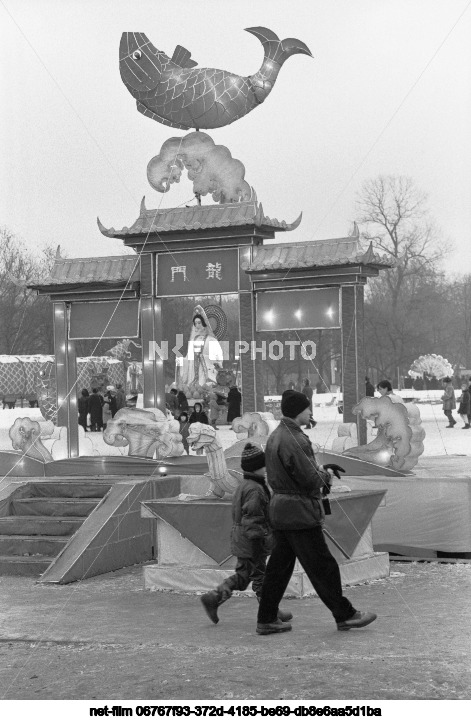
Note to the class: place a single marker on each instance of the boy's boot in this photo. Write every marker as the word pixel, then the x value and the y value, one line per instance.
pixel 213 599
pixel 282 615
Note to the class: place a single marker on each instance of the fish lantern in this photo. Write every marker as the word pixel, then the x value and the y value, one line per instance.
pixel 174 92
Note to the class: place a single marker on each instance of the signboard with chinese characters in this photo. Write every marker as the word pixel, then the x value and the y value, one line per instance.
pixel 201 272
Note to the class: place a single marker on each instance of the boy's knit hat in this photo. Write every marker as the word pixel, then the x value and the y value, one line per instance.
pixel 253 458
pixel 293 403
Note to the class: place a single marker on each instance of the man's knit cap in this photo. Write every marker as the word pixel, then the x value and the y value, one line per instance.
pixel 293 403
pixel 253 458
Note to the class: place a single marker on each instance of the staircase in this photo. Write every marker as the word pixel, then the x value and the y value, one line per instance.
pixel 43 516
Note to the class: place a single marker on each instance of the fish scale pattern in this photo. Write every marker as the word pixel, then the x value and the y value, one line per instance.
pixel 208 96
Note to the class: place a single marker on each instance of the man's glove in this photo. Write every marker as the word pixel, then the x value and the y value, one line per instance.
pixel 336 470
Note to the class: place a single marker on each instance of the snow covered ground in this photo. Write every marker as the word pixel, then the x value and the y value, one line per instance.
pixel 439 440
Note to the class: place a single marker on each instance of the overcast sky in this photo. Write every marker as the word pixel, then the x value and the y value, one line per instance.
pixel 387 92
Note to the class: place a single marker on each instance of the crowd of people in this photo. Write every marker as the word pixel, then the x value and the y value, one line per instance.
pixel 207 411
pixel 448 399
pixel 449 403
pixel 95 410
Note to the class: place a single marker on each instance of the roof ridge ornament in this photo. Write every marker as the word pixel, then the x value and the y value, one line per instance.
pixel 109 232
pixel 355 233
pixel 368 257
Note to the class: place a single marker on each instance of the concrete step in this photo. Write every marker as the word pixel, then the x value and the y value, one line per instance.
pixel 32 545
pixel 63 489
pixel 39 526
pixel 24 566
pixel 53 506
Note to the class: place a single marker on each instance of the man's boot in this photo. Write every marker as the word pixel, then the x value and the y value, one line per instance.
pixel 282 615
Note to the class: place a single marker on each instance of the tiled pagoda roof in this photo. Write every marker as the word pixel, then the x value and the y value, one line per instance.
pixel 312 254
pixel 200 217
pixel 110 271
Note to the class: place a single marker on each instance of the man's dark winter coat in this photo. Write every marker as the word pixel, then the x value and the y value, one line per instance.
pixel 251 534
pixel 234 399
pixel 95 406
pixel 465 404
pixel 295 479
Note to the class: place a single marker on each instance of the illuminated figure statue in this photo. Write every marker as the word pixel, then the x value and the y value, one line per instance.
pixel 25 436
pixel 399 441
pixel 204 357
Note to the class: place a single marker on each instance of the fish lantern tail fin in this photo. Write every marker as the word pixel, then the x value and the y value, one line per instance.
pixel 278 50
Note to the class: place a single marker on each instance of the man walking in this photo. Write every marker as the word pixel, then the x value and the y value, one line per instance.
pixel 297 515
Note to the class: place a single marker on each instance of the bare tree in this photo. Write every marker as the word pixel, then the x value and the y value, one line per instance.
pixel 25 318
pixel 393 215
pixel 457 296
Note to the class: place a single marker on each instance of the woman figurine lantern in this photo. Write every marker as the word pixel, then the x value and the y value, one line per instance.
pixel 204 355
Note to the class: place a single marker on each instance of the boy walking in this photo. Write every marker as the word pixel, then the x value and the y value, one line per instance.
pixel 251 536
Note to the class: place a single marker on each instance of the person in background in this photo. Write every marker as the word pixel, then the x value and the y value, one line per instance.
pixel 184 430
pixel 120 397
pixel 385 388
pixel 297 516
pixel 234 400
pixel 83 409
pixel 369 388
pixel 449 402
pixel 251 535
pixel 109 402
pixel 213 410
pixel 308 392
pixel 465 404
pixel 95 408
pixel 171 402
pixel 182 403
pixel 110 397
pixel 174 402
pixel 198 416
pixel 320 387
